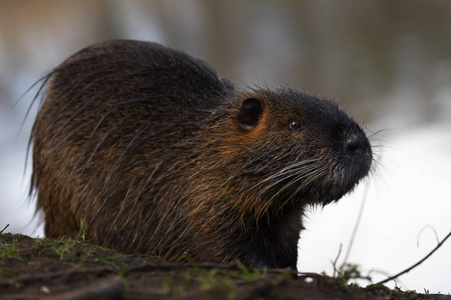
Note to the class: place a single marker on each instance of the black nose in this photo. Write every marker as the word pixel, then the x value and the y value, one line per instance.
pixel 357 143
pixel 358 151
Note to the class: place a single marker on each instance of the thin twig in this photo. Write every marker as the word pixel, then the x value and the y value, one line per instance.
pixel 7 225
pixel 421 231
pixel 417 264
pixel 309 274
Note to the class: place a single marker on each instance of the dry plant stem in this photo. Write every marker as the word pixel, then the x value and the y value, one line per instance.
pixel 357 223
pixel 334 263
pixel 417 264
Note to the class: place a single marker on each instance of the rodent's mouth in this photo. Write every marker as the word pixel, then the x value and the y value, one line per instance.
pixel 347 174
pixel 352 169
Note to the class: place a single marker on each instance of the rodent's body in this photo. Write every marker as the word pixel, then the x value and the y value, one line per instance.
pixel 158 155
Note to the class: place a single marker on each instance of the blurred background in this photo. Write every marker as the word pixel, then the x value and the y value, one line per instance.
pixel 388 63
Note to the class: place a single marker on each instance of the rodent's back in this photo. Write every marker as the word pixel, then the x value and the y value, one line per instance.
pixel 165 84
pixel 156 154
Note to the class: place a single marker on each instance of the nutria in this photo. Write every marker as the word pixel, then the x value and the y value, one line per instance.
pixel 156 154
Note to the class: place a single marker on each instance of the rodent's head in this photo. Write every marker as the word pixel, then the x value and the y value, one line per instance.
pixel 298 147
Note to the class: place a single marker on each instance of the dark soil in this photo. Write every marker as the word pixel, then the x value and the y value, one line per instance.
pixel 74 269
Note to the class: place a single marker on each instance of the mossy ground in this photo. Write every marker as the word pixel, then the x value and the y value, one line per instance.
pixel 75 269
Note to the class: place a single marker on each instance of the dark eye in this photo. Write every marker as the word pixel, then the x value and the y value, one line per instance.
pixel 295 125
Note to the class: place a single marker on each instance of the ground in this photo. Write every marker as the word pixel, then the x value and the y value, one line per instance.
pixel 75 269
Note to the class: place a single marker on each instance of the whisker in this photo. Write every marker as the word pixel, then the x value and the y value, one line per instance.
pixel 298 178
pixel 288 172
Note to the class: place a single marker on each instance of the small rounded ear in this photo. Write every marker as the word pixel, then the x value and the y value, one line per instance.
pixel 250 113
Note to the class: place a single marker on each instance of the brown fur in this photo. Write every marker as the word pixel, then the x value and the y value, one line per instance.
pixel 158 155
